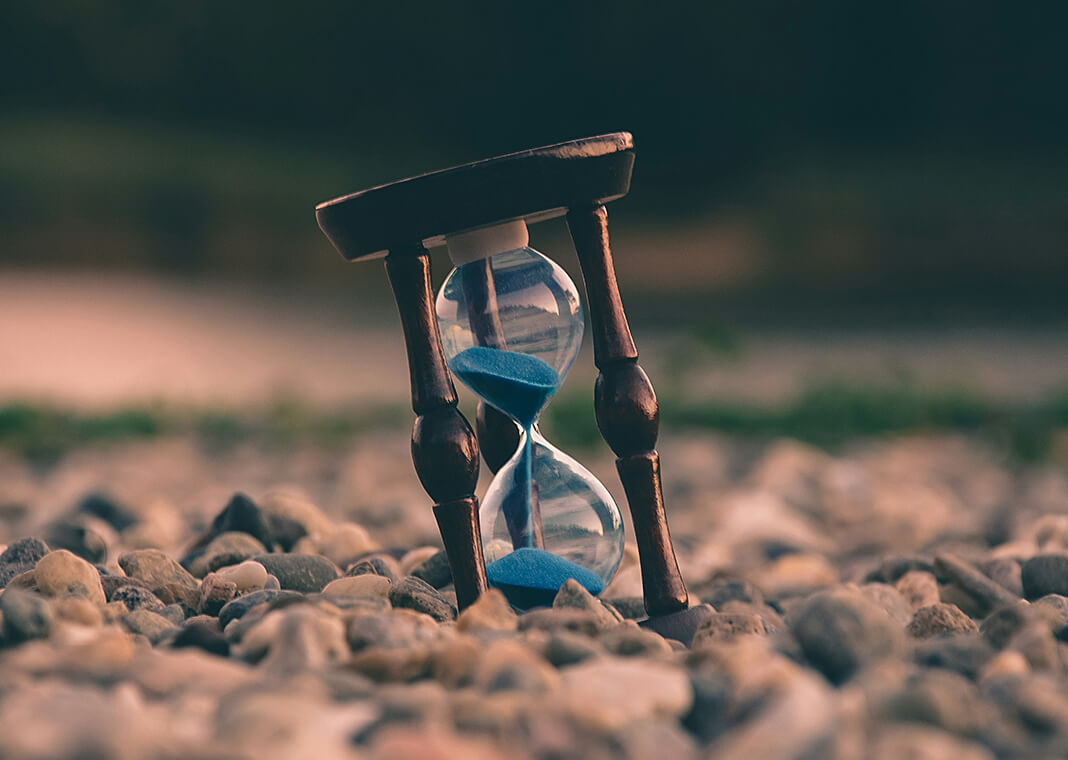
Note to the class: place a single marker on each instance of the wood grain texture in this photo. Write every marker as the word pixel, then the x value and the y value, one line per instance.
pixel 444 447
pixel 627 412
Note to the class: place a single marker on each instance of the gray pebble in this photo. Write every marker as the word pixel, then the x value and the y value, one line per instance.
pixel 1045 574
pixel 156 570
pixel 964 653
pixel 435 571
pixel 415 594
pixel 376 564
pixel 242 604
pixel 77 539
pixel 986 594
pixel 225 549
pixel 26 616
pixel 573 596
pixel 732 591
pixel 148 624
pixel 20 556
pixel 176 613
pixel 841 631
pixel 723 627
pixel 1006 572
pixel 566 648
pixel 630 607
pixel 135 597
pixel 307 573
pixel 1004 623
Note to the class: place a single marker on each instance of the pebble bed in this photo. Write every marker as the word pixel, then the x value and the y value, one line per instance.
pixel 904 598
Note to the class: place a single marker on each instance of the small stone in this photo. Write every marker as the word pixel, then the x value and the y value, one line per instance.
pixel 272 583
pixel 613 692
pixel 986 594
pixel 112 583
pixel 404 629
pixel 215 593
pixel 136 597
pixel 61 573
pixel 176 613
pixel 77 539
pixel 348 541
pixel 1045 574
pixel 1053 608
pixel 629 607
pixel 731 591
pixel 435 570
pixel 944 699
pixel 242 604
pixel 890 600
pixel 937 619
pixel 247 576
pixel 242 515
pixel 158 572
pixel 306 640
pixel 179 593
pixel 1004 623
pixel 290 512
pixel 897 741
pixel 796 575
pixel 307 573
pixel 414 558
pixel 632 641
pixel 359 585
pixel 724 627
pixel 19 557
pixel 892 568
pixel 839 632
pixel 107 509
pixel 919 588
pixel 377 564
pixel 552 620
pixel 507 665
pixel 564 648
pixel 573 596
pixel 113 612
pixel 414 594
pixel 223 550
pixel 490 612
pixel 148 624
pixel 1005 572
pixel 79 611
pixel 966 653
pixel 202 635
pixel 25 616
pixel 1036 643
pixel 1007 663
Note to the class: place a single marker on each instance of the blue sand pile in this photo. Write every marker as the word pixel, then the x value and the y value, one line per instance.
pixel 531 577
pixel 517 384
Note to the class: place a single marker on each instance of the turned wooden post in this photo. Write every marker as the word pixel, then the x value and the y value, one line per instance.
pixel 444 448
pixel 627 411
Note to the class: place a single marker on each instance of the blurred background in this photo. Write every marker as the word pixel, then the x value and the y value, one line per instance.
pixel 845 219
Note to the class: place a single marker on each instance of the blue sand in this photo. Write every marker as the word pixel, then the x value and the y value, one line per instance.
pixel 531 577
pixel 517 384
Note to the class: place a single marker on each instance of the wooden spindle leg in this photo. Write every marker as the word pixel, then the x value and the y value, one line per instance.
pixel 627 412
pixel 444 448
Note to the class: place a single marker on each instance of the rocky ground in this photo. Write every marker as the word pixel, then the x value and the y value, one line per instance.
pixel 902 598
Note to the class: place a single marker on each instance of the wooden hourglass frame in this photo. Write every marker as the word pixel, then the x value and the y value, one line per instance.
pixel 401 219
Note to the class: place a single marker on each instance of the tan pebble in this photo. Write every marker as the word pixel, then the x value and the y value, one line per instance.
pixel 454 661
pixel 1005 663
pixel 490 612
pixel 80 611
pixel 247 575
pixel 61 573
pixel 348 541
pixel 26 580
pixel 415 558
pixel 359 585
pixel 114 611
pixel 796 574
pixel 919 588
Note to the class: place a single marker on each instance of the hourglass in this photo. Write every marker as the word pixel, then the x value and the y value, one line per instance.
pixel 508 323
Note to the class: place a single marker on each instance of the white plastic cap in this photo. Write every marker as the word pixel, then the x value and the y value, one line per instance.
pixel 481 243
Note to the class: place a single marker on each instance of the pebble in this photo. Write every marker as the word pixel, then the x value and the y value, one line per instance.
pixel 1054 610
pixel 25 616
pixel 19 557
pixel 148 624
pixel 731 591
pixel 61 573
pixel 724 627
pixel 796 575
pixel 890 600
pixel 136 597
pixel 376 564
pixel 247 576
pixel 242 515
pixel 891 569
pixel 202 635
pixel 393 629
pixel 76 610
pixel 307 573
pixel 106 508
pixel 919 588
pixel 612 692
pixel 563 648
pixel 434 570
pixel 347 542
pixel 293 512
pixel 77 539
pixel 241 605
pixel 215 593
pixel 414 594
pixel 490 612
pixel 841 631
pixel 629 607
pixel 573 596
pixel 945 699
pixel 986 594
pixel 176 613
pixel 936 619
pixel 507 665
pixel 1004 623
pixel 1005 572
pixel 1045 574
pixel 159 573
pixel 359 585
pixel 223 550
pixel 1004 664
pixel 965 653
pixel 632 641
pixel 894 742
pixel 306 640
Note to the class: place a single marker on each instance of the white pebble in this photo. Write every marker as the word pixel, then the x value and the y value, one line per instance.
pixel 248 575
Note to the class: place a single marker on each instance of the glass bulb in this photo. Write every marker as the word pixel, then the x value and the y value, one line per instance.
pixel 511 326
